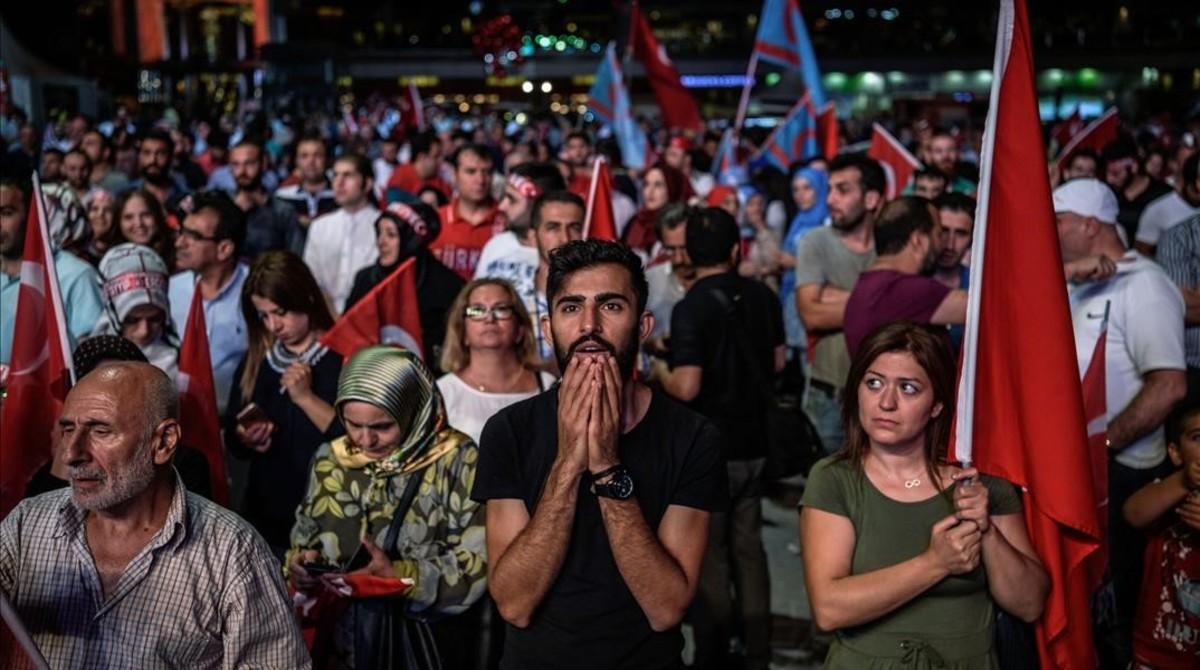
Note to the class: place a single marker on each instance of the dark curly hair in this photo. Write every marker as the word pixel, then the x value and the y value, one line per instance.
pixel 582 254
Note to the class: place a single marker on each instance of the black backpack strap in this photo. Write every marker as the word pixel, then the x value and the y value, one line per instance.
pixel 406 499
pixel 742 344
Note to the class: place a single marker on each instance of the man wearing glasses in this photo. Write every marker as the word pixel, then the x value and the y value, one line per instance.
pixel 206 253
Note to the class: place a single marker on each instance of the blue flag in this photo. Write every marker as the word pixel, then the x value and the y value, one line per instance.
pixel 609 102
pixel 795 138
pixel 782 39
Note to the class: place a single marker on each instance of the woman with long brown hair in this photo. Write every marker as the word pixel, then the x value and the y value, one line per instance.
pixel 906 555
pixel 489 354
pixel 281 405
pixel 141 219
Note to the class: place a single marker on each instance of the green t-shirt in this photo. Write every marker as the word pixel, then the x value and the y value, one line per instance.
pixel 887 532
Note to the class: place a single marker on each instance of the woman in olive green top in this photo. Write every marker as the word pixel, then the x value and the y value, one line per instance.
pixel 904 555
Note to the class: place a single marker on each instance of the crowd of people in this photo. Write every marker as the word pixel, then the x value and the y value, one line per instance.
pixel 574 465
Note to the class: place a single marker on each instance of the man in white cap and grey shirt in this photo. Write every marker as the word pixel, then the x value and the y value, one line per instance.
pixel 1144 361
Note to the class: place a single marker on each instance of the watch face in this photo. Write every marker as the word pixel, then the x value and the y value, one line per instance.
pixel 621 486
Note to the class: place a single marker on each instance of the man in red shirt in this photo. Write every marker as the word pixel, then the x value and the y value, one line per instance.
pixel 408 179
pixel 471 218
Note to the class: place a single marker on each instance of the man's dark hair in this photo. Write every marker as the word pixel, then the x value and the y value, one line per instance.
pixel 218 139
pixel 942 132
pixel 543 175
pixel 870 175
pixel 248 143
pixel 897 222
pixel 361 165
pixel 582 254
pixel 160 135
pixel 1119 149
pixel 231 220
pixel 1178 418
pixel 956 202
pixel 308 137
pixel 53 150
pixel 480 150
pixel 86 159
pixel 22 185
pixel 561 195
pixel 105 142
pixel 672 216
pixel 422 143
pixel 578 135
pixel 930 172
pixel 711 233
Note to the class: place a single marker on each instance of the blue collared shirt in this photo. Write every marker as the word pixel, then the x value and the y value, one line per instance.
pixel 225 324
pixel 82 302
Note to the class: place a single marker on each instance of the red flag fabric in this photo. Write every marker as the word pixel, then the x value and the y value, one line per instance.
pixel 40 369
pixel 1097 134
pixel 412 109
pixel 598 221
pixel 388 314
pixel 676 103
pixel 1020 406
pixel 827 131
pixel 198 418
pixel 897 162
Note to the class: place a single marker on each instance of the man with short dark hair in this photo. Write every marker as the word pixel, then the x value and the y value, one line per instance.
pixel 471 218
pixel 154 155
pixel 1135 189
pixel 51 166
pixel 100 151
pixel 727 345
pixel 78 281
pixel 669 279
pixel 894 287
pixel 342 242
pixel 127 568
pixel 943 155
pixel 577 152
pixel 556 218
pixel 408 179
pixel 828 263
pixel 270 222
pixel 206 255
pixel 77 171
pixel 929 183
pixel 311 194
pixel 956 219
pixel 599 491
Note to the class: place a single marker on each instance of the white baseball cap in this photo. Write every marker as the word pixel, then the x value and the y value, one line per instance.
pixel 1087 197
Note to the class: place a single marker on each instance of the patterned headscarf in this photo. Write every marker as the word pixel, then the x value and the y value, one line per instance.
pixel 397 382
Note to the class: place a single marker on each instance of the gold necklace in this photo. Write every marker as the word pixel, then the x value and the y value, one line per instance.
pixel 483 389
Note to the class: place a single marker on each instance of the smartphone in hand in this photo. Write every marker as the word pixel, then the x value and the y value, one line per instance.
pixel 252 414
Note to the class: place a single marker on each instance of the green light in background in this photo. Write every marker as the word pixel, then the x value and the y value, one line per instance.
pixel 1089 77
pixel 835 80
pixel 955 78
pixel 772 78
pixel 896 78
pixel 871 82
pixel 983 77
pixel 1054 76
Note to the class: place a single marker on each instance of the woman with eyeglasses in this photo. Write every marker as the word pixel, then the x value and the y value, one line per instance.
pixel 136 304
pixel 281 404
pixel 489 354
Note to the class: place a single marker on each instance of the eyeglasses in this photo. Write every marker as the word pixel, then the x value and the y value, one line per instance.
pixel 196 236
pixel 482 312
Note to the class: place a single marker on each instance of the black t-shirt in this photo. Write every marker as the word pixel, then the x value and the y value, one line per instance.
pixel 1130 211
pixel 589 618
pixel 704 333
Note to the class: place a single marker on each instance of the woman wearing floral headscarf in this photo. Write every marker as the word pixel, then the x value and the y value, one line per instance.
pixel 397 443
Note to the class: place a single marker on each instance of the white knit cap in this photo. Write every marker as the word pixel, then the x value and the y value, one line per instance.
pixel 134 275
pixel 1087 197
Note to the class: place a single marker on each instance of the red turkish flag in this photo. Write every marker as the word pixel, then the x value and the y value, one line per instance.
pixel 388 314
pixel 1097 134
pixel 1020 405
pixel 198 418
pixel 1095 410
pixel 897 162
pixel 598 222
pixel 40 370
pixel 676 103
pixel 827 131
pixel 1066 129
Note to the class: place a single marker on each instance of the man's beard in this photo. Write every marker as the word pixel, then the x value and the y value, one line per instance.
pixel 154 175
pixel 122 486
pixel 12 247
pixel 848 222
pixel 626 358
pixel 252 184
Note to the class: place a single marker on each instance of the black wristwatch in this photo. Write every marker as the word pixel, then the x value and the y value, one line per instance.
pixel 618 486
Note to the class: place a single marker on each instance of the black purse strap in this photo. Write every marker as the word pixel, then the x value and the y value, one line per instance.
pixel 406 499
pixel 757 379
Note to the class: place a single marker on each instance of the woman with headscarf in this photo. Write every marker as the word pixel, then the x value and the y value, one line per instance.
pixel 809 188
pixel 403 231
pixel 136 305
pixel 398 484
pixel 661 185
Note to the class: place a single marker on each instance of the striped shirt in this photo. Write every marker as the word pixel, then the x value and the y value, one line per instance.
pixel 204 593
pixel 1179 255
